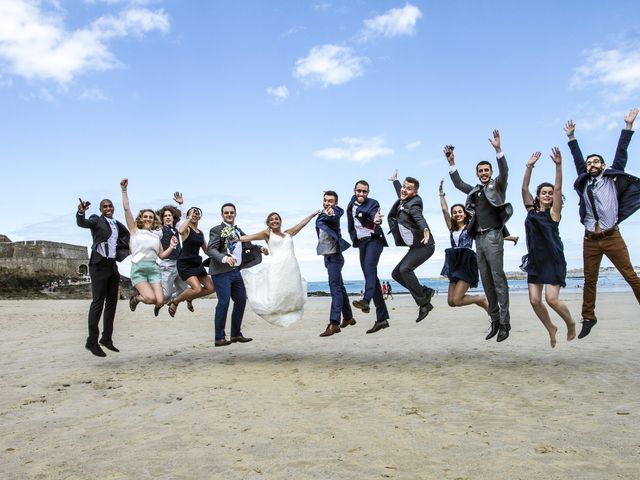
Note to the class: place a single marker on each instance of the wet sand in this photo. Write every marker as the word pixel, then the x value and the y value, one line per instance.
pixel 428 400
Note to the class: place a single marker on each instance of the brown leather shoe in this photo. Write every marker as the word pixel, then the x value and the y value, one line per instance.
pixel 222 343
pixel 378 326
pixel 362 305
pixel 331 329
pixel 345 323
pixel 241 339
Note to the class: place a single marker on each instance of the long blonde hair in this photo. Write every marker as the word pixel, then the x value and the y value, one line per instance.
pixel 156 220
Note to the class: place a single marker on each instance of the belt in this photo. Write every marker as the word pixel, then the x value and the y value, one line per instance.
pixel 486 230
pixel 600 235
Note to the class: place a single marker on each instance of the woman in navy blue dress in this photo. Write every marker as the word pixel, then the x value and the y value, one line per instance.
pixel 460 263
pixel 544 263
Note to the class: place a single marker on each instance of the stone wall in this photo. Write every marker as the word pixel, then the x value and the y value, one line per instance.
pixel 41 259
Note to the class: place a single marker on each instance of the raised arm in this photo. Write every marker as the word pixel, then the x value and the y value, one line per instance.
pixel 620 160
pixel 527 198
pixel 444 206
pixel 576 153
pixel 81 221
pixel 296 228
pixel 262 235
pixel 131 223
pixel 453 171
pixel 556 208
pixel 503 167
pixel 396 184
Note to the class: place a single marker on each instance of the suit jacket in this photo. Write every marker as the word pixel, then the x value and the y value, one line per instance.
pixel 100 232
pixel 627 186
pixel 409 215
pixel 216 249
pixel 365 214
pixel 331 226
pixel 495 191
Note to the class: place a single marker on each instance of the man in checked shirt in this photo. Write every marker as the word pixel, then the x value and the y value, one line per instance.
pixel 607 197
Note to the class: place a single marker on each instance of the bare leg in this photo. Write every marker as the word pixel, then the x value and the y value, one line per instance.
pixel 200 286
pixel 552 294
pixel 535 297
pixel 457 296
pixel 149 294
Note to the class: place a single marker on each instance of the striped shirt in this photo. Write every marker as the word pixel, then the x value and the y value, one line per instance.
pixel 604 192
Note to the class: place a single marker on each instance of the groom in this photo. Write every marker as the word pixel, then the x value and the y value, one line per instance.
pixel 226 261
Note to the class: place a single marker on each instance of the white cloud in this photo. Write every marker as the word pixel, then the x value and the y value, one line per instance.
pixel 35 44
pixel 293 30
pixel 280 93
pixel 321 6
pixel 615 71
pixel 329 65
pixel 394 23
pixel 356 149
pixel 413 145
pixel 93 95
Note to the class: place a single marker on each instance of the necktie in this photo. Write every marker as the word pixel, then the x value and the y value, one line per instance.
pixel 592 200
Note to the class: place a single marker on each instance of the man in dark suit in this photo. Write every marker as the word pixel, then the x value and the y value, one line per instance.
pixel 110 244
pixel 330 246
pixel 608 196
pixel 363 220
pixel 410 229
pixel 489 213
pixel 226 253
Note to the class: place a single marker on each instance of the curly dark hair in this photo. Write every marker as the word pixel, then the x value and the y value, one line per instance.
pixel 176 212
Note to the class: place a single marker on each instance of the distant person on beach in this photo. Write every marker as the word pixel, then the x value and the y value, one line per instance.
pixel 389 291
pixel 110 244
pixel 489 213
pixel 383 289
pixel 608 196
pixel 172 284
pixel 410 229
pixel 545 263
pixel 330 246
pixel 189 262
pixel 146 248
pixel 363 220
pixel 460 261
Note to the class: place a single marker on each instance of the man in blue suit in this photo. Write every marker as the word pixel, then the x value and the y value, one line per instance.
pixel 364 219
pixel 330 246
pixel 608 196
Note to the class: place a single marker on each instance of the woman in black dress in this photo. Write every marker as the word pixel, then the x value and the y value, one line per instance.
pixel 460 263
pixel 189 262
pixel 544 262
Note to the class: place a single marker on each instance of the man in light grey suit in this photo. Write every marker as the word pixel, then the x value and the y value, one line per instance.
pixel 227 259
pixel 489 212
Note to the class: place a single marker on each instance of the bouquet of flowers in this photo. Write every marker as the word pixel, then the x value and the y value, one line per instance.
pixel 231 237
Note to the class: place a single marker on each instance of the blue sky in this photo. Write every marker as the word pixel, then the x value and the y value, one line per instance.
pixel 268 104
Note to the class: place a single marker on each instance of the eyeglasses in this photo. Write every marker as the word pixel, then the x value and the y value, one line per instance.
pixel 361 191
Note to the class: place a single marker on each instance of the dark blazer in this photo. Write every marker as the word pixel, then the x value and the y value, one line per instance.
pixel 409 215
pixel 251 254
pixel 364 214
pixel 101 231
pixel 627 186
pixel 331 226
pixel 495 192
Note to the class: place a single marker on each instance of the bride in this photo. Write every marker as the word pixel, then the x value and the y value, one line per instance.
pixel 277 292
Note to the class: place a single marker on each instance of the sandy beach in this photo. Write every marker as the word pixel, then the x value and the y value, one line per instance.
pixel 429 400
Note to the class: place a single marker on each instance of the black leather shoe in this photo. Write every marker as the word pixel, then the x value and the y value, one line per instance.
pixel 423 312
pixel 95 349
pixel 495 327
pixel 503 333
pixel 109 345
pixel 345 323
pixel 156 310
pixel 241 339
pixel 362 305
pixel 378 326
pixel 430 292
pixel 222 343
pixel 587 325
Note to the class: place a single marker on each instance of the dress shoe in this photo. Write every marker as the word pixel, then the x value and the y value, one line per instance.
pixel 95 349
pixel 587 325
pixel 503 333
pixel 495 327
pixel 133 303
pixel 429 292
pixel 331 329
pixel 424 311
pixel 345 323
pixel 222 343
pixel 241 339
pixel 378 326
pixel 362 305
pixel 109 345
pixel 156 310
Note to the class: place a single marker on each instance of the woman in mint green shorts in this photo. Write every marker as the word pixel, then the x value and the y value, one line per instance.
pixel 145 249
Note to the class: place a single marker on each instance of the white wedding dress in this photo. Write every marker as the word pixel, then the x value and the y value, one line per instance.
pixel 277 292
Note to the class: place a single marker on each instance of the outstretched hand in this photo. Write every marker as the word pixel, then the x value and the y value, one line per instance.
pixel 630 118
pixel 570 129
pixel 535 156
pixel 83 206
pixel 394 176
pixel 448 152
pixel 556 156
pixel 177 197
pixel 495 141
